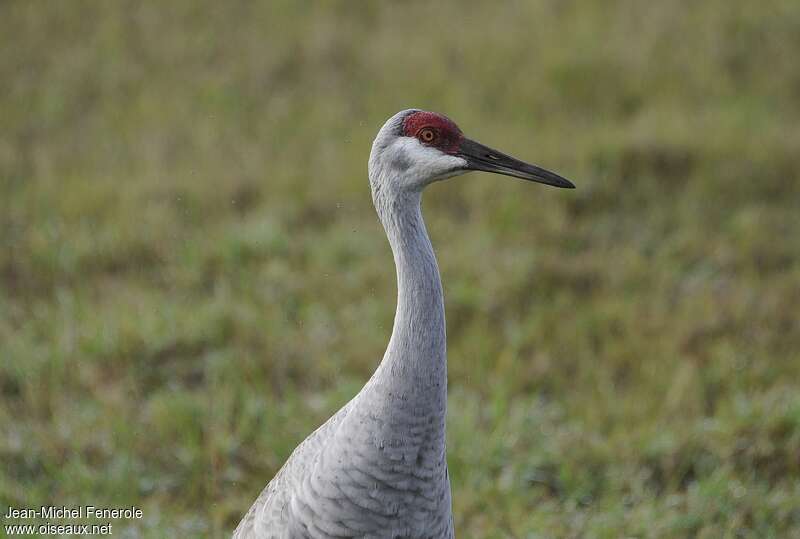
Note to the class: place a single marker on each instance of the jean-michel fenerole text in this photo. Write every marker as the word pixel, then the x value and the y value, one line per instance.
pixel 80 511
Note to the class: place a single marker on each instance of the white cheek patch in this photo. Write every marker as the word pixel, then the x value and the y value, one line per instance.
pixel 420 163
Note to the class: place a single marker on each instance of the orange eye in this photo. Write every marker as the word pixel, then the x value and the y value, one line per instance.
pixel 427 134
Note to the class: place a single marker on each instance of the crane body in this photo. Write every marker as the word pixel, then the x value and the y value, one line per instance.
pixel 377 468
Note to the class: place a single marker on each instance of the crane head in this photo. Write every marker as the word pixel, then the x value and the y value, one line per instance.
pixel 417 147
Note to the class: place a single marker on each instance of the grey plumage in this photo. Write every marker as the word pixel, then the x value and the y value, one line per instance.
pixel 377 468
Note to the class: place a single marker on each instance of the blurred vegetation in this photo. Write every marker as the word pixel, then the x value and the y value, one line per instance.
pixel 192 277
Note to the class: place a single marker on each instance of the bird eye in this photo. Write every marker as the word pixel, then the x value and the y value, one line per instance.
pixel 427 134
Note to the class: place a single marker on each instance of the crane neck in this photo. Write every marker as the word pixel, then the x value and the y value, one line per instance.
pixel 415 361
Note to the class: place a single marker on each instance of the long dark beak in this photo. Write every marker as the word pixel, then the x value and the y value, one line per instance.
pixel 480 157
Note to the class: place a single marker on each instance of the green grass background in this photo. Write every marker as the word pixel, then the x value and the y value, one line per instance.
pixel 192 277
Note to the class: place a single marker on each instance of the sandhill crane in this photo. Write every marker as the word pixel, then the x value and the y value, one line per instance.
pixel 378 468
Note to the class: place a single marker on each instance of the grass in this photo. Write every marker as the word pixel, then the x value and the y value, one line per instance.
pixel 192 277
